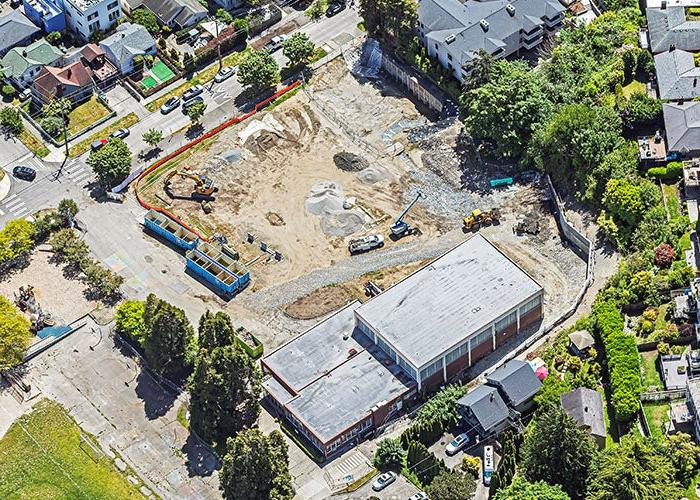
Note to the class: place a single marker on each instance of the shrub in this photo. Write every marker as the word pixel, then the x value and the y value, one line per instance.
pixel 8 90
pixel 129 320
pixel 435 417
pixel 471 465
pixel 663 348
pixel 389 455
pixel 671 172
pixel 664 256
pixel 161 43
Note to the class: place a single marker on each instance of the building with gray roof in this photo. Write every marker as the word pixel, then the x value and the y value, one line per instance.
pixel 129 41
pixel 517 382
pixel 16 30
pixel 669 29
pixel 454 32
pixel 484 412
pixel 677 75
pixel 22 64
pixel 177 14
pixel 585 406
pixel 682 122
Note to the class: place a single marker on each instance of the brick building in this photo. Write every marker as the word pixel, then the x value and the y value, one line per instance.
pixel 352 372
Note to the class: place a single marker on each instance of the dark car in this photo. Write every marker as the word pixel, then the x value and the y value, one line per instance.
pixel 120 133
pixel 98 144
pixel 188 104
pixel 170 105
pixel 192 92
pixel 26 173
pixel 335 8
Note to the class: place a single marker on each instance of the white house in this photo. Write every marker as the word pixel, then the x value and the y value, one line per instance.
pixel 84 17
pixel 129 41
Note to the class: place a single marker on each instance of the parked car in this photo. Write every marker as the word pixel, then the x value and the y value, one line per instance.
pixel 120 133
pixel 224 74
pixel 192 92
pixel 98 144
pixel 26 173
pixel 170 105
pixel 188 104
pixel 383 481
pixel 418 496
pixel 457 444
pixel 276 42
pixel 334 8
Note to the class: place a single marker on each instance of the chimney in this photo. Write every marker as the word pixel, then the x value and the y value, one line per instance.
pixel 492 397
pixel 663 4
pixel 69 73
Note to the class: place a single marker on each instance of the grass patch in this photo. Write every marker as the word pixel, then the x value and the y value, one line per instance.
pixel 182 417
pixel 307 448
pixel 661 321
pixel 683 245
pixel 85 115
pixel 650 373
pixel 204 76
pixel 33 143
pixel 318 54
pixel 672 202
pixel 633 87
pixel 82 146
pixel 52 464
pixel 284 97
pixel 657 415
pixel 360 482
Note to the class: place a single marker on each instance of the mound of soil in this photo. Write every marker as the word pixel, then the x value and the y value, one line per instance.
pixel 350 162
pixel 318 303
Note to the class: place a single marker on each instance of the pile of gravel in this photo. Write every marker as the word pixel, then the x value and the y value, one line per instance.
pixel 350 162
pixel 326 200
pixel 343 223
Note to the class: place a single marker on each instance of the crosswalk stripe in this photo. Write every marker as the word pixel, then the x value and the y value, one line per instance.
pixel 14 203
pixel 83 177
pixel 1 212
pixel 10 197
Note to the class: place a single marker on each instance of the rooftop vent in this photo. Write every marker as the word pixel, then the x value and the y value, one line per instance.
pixel 484 24
pixel 510 9
pixel 450 39
pixel 663 4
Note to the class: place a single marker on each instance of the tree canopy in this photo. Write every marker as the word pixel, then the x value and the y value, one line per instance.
pixel 111 163
pixel 145 18
pixel 298 48
pixel 391 21
pixel 152 137
pixel 389 455
pixel 451 485
pixel 11 120
pixel 256 466
pixel 215 330
pixel 15 336
pixel 196 111
pixel 258 70
pixel 129 320
pixel 16 240
pixel 170 342
pixel 522 489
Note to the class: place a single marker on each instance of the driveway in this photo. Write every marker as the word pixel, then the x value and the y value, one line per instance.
pixel 400 489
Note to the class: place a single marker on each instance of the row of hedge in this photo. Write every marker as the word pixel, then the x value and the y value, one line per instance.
pixel 671 172
pixel 436 416
pixel 623 359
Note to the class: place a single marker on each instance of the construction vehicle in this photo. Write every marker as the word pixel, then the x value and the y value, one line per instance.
pixel 529 225
pixel 366 243
pixel 480 218
pixel 400 227
pixel 203 185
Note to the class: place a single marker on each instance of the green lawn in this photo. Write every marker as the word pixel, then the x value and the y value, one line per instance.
pixel 41 458
pixel 33 143
pixel 85 115
pixel 661 321
pixel 650 374
pixel 672 201
pixel 632 87
pixel 656 414
pixel 80 147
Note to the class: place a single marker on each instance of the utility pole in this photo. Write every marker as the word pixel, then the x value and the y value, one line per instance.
pixel 65 140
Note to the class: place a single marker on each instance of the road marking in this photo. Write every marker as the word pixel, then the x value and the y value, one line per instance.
pixel 14 204
pixel 1 212
pixel 10 197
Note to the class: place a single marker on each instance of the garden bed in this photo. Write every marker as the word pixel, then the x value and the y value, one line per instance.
pixel 82 146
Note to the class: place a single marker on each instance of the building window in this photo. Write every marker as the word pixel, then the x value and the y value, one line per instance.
pixel 431 369
pixel 68 13
pixel 436 46
pixel 530 305
pixel 449 57
pixel 457 353
pixel 94 26
pixel 502 324
pixel 113 16
pixel 92 16
pixel 408 368
pixel 112 5
pixel 482 337
pixel 385 347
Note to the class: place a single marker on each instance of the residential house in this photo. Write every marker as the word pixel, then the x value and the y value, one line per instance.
pixel 674 371
pixel 16 30
pixel 454 32
pixel 73 81
pixel 103 71
pixel 669 29
pixel 682 121
pixel 677 75
pixel 580 342
pixel 692 396
pixel 129 41
pixel 517 383
pixel 47 14
pixel 484 412
pixel 585 406
pixel 178 14
pixel 229 4
pixel 84 17
pixel 22 64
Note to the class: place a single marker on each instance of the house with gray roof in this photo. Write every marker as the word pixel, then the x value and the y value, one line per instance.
pixel 177 14
pixel 484 412
pixel 677 76
pixel 585 406
pixel 16 30
pixel 454 32
pixel 669 29
pixel 517 382
pixel 22 64
pixel 682 121
pixel 129 41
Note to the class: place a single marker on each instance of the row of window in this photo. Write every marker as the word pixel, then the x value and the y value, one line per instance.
pixel 431 369
pixel 349 435
pixel 506 321
pixel 530 305
pixel 388 350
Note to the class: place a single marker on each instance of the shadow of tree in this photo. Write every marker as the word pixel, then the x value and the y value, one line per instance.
pixel 200 461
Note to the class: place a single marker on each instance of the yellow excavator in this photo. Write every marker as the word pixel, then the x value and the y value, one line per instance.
pixel 203 185
pixel 480 218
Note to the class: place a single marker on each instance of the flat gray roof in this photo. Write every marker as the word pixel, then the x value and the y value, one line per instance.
pixel 318 350
pixel 452 298
pixel 346 395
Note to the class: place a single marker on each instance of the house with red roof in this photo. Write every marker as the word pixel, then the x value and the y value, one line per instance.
pixel 74 81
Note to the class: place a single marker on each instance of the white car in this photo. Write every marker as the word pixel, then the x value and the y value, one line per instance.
pixel 276 42
pixel 383 481
pixel 224 74
pixel 418 496
pixel 457 444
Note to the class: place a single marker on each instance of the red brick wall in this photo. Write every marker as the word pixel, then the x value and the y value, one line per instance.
pixel 457 365
pixel 506 333
pixel 433 381
pixel 531 317
pixel 481 350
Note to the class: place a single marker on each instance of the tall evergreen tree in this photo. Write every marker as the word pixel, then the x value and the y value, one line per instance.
pixel 215 330
pixel 170 337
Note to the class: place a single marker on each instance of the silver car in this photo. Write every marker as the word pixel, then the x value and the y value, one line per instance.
pixel 224 74
pixel 192 92
pixel 457 444
pixel 418 496
pixel 383 481
pixel 170 105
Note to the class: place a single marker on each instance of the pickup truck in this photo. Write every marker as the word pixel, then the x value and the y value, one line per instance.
pixel 366 243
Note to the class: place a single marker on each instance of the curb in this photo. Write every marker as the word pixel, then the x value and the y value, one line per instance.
pixel 5 185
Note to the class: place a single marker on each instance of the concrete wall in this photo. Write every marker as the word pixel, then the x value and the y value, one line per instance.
pixel 416 83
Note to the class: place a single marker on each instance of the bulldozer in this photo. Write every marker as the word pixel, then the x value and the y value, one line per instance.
pixel 203 185
pixel 479 218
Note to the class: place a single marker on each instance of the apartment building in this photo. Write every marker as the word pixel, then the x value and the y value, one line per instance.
pixel 84 17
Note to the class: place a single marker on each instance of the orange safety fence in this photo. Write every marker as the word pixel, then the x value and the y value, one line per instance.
pixel 182 149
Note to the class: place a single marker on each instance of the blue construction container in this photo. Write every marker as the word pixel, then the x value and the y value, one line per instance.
pixel 170 230
pixel 217 268
pixel 505 181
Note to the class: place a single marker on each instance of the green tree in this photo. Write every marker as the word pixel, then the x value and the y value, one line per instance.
pixel 145 18
pixel 111 163
pixel 196 111
pixel 152 137
pixel 241 25
pixel 8 91
pixel 67 209
pixel 223 16
pixel 54 38
pixel 11 120
pixel 129 320
pixel 256 467
pixel 298 48
pixel 16 241
pixel 633 469
pixel 620 162
pixel 423 463
pixel 225 388
pixel 684 454
pixel 392 21
pixel 550 392
pixel 505 111
pixel 628 201
pixel 58 106
pixel 170 340
pixel 641 111
pixel 215 330
pixel 574 141
pixel 555 434
pixel 15 336
pixel 52 125
pixel 451 485
pixel 389 455
pixel 258 70
pixel 509 457
pixel 522 489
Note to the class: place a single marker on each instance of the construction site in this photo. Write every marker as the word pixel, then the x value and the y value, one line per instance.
pixel 349 166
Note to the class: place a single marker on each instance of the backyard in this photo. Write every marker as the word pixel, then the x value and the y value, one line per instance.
pixel 45 454
pixel 650 372
pixel 85 115
pixel 155 75
pixel 656 415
